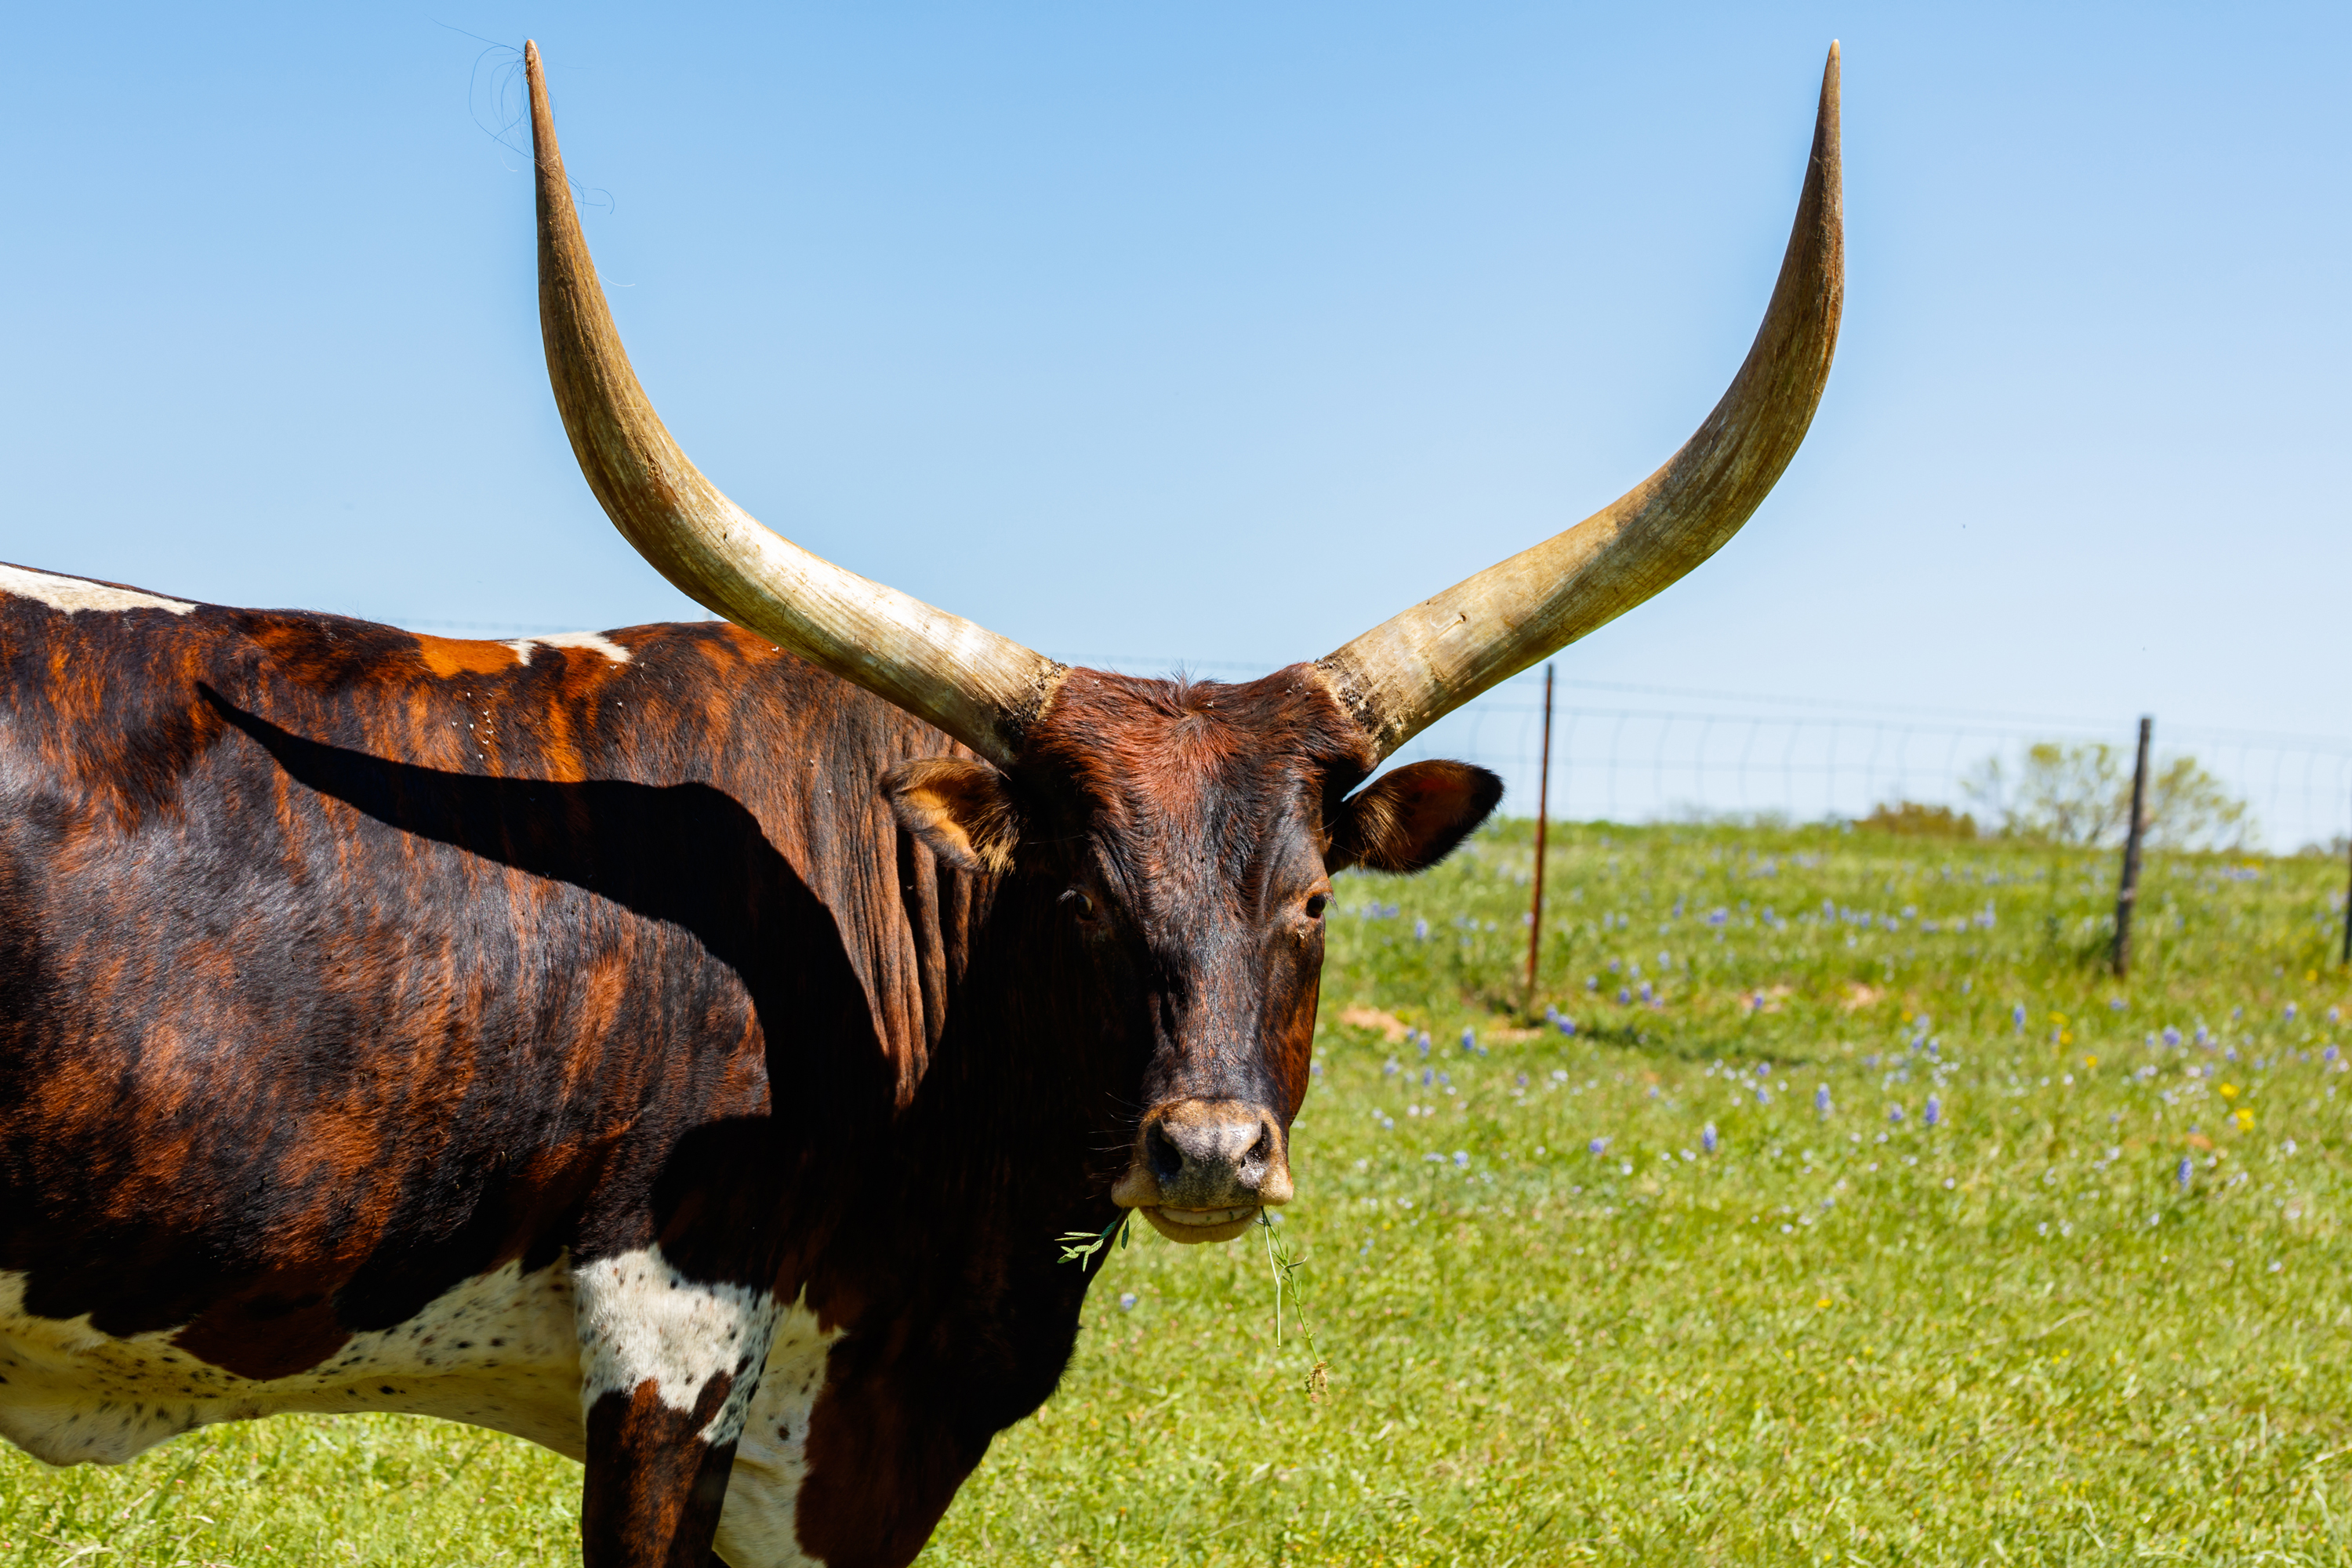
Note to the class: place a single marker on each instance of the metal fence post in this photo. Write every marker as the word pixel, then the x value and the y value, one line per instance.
pixel 1543 822
pixel 2129 893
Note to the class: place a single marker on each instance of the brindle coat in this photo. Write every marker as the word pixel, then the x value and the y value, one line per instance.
pixel 561 1038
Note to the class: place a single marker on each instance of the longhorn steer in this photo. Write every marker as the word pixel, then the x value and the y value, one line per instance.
pixel 672 1045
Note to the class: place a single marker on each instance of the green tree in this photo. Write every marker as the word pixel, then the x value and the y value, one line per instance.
pixel 2080 794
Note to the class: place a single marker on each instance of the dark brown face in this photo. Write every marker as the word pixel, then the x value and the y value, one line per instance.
pixel 1188 834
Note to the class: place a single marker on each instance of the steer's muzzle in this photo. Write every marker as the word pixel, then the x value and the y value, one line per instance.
pixel 1202 1168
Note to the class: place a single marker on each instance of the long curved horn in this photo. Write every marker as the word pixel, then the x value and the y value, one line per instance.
pixel 980 687
pixel 1414 668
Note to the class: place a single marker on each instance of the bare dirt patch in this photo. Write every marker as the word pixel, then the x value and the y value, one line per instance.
pixel 1392 1029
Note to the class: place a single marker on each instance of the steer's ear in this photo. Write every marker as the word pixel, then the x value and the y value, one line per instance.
pixel 963 809
pixel 1412 817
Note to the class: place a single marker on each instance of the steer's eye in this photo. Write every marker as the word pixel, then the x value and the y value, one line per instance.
pixel 1079 904
pixel 1316 904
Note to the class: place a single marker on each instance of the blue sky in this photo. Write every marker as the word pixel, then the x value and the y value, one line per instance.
pixel 1219 333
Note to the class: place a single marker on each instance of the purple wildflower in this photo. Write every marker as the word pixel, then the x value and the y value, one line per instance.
pixel 1706 1138
pixel 1933 1114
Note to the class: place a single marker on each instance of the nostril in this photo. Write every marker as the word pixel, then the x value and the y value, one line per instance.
pixel 1262 1151
pixel 1160 1153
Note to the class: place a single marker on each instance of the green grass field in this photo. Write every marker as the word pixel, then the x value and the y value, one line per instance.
pixel 2084 1299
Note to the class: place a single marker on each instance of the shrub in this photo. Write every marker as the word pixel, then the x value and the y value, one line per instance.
pixel 1912 819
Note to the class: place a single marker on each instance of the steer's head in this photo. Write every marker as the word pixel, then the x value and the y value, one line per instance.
pixel 1189 833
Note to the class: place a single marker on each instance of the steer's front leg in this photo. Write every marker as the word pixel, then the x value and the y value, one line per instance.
pixel 667 1365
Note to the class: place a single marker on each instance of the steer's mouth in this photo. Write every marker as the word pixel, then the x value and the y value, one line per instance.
pixel 1199 1225
pixel 1202 1169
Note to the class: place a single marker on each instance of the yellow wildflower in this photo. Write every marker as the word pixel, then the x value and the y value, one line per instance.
pixel 2245 1121
pixel 2228 1091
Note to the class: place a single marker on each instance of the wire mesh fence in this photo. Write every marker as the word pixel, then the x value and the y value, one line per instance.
pixel 1625 753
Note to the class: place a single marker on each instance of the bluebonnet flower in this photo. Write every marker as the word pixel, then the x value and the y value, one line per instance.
pixel 2171 1036
pixel 1624 996
pixel 1389 1068
pixel 1706 1138
pixel 1427 1077
pixel 1935 1111
pixel 1469 1041
pixel 2290 1012
pixel 1599 1147
pixel 2188 1171
pixel 1551 1015
pixel 2202 1037
pixel 1420 931
pixel 1127 1301
pixel 1647 995
pixel 2017 1018
pixel 1763 1095
pixel 1422 1041
pixel 1895 1112
pixel 1592 983
pixel 1568 1025
pixel 2328 1055
pixel 1462 1159
pixel 2115 1003
pixel 2336 1014
pixel 1763 1069
pixel 1821 1099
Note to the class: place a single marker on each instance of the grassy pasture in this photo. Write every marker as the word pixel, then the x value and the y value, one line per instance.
pixel 2094 1309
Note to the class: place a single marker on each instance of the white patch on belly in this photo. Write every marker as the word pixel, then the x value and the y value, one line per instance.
pixel 640 1318
pixel 594 642
pixel 498 1351
pixel 71 593
pixel 758 1527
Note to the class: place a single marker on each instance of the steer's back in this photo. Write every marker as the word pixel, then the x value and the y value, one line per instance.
pixel 353 983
